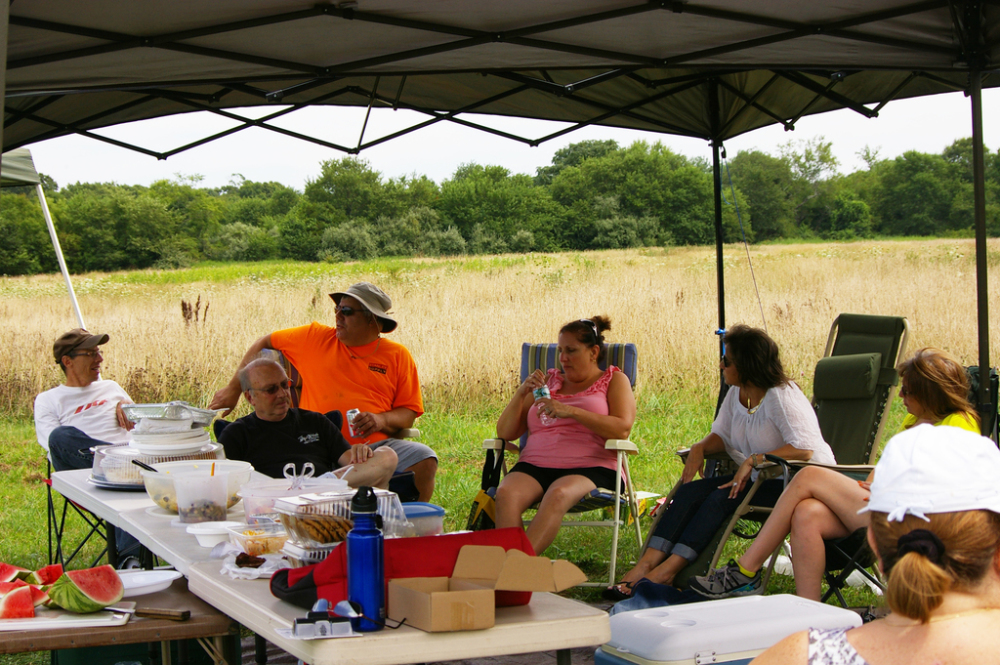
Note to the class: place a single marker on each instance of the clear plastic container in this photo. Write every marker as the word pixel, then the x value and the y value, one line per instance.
pixel 259 496
pixel 320 519
pixel 160 485
pixel 300 555
pixel 113 464
pixel 201 498
pixel 426 519
pixel 257 539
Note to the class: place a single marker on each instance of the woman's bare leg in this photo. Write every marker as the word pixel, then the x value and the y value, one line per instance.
pixel 516 494
pixel 812 523
pixel 561 495
pixel 650 559
pixel 839 492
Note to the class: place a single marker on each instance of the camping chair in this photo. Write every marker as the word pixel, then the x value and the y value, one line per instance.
pixel 625 357
pixel 853 387
pixel 56 518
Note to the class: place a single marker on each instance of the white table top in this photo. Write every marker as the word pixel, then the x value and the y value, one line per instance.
pixel 106 504
pixel 547 623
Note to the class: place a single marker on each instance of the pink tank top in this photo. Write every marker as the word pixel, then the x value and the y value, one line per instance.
pixel 566 444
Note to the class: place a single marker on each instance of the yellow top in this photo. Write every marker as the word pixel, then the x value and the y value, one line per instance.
pixel 958 419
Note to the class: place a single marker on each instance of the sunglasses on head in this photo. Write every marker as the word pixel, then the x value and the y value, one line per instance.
pixel 273 389
pixel 347 311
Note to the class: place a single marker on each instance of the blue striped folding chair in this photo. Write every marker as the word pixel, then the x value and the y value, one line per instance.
pixel 623 495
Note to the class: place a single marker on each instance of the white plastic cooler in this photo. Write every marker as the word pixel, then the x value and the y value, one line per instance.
pixel 734 630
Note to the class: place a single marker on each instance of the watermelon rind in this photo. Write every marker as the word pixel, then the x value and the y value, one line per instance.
pixel 85 591
pixel 17 604
pixel 10 572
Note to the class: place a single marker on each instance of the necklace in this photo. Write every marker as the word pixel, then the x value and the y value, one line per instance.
pixel 753 410
pixel 943 617
pixel 374 351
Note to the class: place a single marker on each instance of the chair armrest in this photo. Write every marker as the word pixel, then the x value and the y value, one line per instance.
pixel 683 453
pixel 852 470
pixel 494 444
pixel 409 433
pixel 621 444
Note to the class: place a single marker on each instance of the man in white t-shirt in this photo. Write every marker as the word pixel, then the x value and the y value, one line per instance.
pixel 86 410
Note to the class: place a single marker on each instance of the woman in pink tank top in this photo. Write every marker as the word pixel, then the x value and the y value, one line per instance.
pixel 564 458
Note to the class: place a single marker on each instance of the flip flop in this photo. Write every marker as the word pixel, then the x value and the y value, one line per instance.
pixel 615 594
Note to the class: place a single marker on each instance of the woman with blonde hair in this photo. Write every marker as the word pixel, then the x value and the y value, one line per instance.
pixel 935 527
pixel 822 504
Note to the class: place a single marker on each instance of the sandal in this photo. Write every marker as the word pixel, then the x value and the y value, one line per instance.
pixel 615 594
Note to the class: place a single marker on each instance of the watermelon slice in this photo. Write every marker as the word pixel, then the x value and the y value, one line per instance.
pixel 38 596
pixel 7 587
pixel 9 572
pixel 17 604
pixel 46 575
pixel 84 591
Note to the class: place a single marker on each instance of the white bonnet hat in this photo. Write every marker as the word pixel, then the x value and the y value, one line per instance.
pixel 942 469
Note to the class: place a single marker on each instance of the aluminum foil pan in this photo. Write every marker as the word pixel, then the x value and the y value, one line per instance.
pixel 169 411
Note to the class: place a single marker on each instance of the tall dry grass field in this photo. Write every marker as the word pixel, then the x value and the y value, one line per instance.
pixel 463 319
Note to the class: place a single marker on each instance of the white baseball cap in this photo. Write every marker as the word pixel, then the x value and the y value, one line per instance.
pixel 936 469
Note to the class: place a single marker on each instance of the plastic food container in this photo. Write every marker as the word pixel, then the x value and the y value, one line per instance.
pixel 113 464
pixel 257 539
pixel 426 519
pixel 300 555
pixel 201 498
pixel 210 534
pixel 321 519
pixel 160 485
pixel 169 411
pixel 259 496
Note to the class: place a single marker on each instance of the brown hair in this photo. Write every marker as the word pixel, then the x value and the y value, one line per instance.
pixel 590 332
pixel 916 584
pixel 756 357
pixel 939 382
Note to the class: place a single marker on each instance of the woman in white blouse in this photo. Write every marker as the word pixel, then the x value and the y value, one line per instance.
pixel 764 412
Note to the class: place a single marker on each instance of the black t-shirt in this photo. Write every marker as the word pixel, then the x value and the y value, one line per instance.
pixel 303 436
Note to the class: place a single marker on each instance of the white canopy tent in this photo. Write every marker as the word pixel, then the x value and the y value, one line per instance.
pixel 704 68
pixel 17 169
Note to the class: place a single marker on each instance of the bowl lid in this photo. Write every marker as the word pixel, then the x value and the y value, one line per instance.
pixel 421 509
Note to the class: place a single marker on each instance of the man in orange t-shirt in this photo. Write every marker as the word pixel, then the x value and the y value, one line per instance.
pixel 352 366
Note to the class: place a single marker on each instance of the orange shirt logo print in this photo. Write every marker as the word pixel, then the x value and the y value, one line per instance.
pixel 99 402
pixel 378 367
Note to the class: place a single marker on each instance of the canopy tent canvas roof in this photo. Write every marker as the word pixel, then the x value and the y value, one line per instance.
pixel 705 68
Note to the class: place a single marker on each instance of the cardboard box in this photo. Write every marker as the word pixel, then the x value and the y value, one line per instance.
pixel 465 601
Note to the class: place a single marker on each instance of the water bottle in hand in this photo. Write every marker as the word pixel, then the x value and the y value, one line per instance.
pixel 543 393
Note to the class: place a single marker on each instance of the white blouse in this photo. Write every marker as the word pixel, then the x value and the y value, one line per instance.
pixel 784 416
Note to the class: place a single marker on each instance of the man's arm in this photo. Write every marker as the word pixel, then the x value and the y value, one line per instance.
pixel 46 420
pixel 388 422
pixel 229 397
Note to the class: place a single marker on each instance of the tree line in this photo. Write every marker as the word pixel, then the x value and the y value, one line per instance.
pixel 594 195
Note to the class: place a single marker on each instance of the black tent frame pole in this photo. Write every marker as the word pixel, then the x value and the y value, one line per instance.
pixel 979 194
pixel 716 123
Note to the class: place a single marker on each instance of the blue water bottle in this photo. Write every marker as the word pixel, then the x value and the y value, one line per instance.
pixel 365 564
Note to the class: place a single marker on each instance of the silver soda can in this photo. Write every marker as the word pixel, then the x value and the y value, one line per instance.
pixel 541 393
pixel 351 415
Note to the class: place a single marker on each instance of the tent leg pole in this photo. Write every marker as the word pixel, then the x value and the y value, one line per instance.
pixel 979 194
pixel 59 254
pixel 713 101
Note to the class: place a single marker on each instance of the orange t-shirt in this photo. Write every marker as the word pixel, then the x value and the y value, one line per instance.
pixel 376 377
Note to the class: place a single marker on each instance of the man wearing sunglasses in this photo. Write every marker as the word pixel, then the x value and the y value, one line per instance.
pixel 83 412
pixel 352 366
pixel 276 434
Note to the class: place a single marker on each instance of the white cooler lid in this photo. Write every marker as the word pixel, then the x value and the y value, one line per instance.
pixel 750 623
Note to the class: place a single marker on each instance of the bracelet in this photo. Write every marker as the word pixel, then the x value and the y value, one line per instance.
pixel 753 460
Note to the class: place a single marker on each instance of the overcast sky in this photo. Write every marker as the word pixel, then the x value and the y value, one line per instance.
pixel 927 124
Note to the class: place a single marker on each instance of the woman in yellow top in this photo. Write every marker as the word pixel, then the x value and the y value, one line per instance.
pixel 822 504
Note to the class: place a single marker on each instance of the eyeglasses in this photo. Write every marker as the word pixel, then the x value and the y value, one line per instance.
pixel 347 311
pixel 726 362
pixel 903 391
pixel 90 354
pixel 272 390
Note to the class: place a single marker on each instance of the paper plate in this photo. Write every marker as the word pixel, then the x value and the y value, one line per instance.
pixel 141 582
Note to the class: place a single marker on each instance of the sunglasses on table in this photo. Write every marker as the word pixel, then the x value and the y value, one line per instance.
pixel 274 388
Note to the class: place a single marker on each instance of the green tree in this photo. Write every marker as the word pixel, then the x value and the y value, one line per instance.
pixel 915 195
pixel 573 155
pixel 768 184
